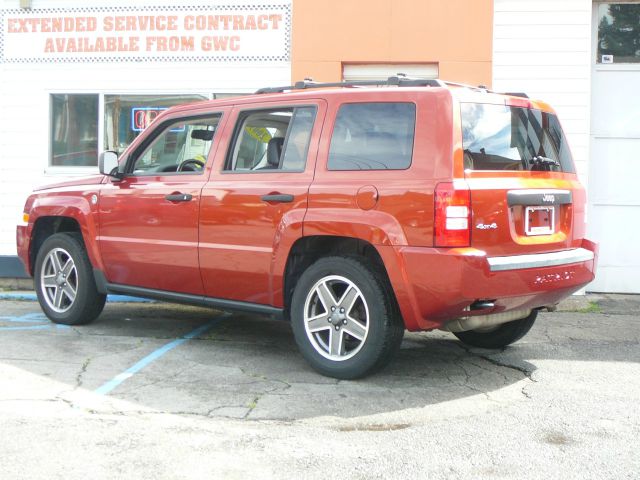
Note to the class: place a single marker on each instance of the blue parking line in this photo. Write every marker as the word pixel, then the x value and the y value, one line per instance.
pixel 118 379
pixel 35 317
pixel 43 322
pixel 32 297
pixel 35 327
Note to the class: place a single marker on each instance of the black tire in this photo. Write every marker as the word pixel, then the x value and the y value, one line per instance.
pixel 372 313
pixel 55 285
pixel 500 337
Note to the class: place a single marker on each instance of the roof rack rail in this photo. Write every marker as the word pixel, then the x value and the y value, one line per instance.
pixel 397 81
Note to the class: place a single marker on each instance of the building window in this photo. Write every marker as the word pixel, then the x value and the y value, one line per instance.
pixel 618 33
pixel 373 136
pixel 126 116
pixel 74 130
pixel 76 125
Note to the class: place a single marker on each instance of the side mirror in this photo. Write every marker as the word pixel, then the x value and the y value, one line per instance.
pixel 108 164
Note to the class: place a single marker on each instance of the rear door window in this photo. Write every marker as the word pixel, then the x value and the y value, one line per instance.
pixel 500 137
pixel 274 140
pixel 373 136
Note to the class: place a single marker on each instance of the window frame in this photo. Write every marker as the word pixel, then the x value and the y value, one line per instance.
pixel 66 169
pixel 413 143
pixel 241 116
pixel 566 163
pixel 160 129
pixel 596 55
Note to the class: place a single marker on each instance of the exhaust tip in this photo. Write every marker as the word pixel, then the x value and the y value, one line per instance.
pixel 482 305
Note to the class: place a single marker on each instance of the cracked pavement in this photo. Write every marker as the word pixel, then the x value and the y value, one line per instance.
pixel 239 401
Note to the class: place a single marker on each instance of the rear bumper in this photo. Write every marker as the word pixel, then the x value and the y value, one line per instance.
pixel 434 285
pixel 540 260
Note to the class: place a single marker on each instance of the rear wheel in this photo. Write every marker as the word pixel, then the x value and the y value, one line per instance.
pixel 64 281
pixel 500 336
pixel 344 318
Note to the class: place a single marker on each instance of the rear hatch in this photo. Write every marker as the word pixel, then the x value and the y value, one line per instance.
pixel 525 196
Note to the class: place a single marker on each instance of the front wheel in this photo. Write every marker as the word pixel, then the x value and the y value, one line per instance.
pixel 64 281
pixel 500 336
pixel 344 318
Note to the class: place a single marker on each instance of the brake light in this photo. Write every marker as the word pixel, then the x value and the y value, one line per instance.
pixel 518 102
pixel 452 216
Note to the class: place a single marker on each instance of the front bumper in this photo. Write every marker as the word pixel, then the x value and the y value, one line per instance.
pixel 434 285
pixel 22 244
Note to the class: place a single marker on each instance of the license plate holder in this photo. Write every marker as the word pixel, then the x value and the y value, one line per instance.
pixel 539 220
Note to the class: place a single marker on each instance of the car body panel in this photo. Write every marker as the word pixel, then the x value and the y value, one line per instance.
pixel 245 240
pixel 403 208
pixel 147 240
pixel 72 200
pixel 436 285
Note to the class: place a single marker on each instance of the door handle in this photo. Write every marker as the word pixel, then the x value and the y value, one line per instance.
pixel 179 197
pixel 277 198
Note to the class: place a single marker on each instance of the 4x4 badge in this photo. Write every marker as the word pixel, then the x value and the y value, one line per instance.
pixel 487 226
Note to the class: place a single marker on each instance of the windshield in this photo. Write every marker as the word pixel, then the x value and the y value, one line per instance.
pixel 499 137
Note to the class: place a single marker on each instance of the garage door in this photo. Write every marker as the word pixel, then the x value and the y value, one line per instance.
pixel 614 173
pixel 382 71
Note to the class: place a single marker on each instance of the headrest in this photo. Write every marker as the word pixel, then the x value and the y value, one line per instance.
pixel 274 150
pixel 206 135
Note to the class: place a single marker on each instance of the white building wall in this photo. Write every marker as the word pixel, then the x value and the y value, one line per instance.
pixel 24 103
pixel 543 48
pixel 615 172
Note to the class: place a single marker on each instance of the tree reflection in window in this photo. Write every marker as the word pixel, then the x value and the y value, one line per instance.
pixel 619 33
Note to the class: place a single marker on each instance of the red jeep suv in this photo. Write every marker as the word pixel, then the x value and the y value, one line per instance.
pixel 353 210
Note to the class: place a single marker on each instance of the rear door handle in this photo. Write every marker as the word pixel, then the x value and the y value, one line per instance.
pixel 277 198
pixel 179 197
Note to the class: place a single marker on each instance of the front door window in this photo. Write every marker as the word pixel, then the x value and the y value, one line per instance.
pixel 182 147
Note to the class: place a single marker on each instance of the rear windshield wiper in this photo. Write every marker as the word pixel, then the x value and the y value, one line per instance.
pixel 541 162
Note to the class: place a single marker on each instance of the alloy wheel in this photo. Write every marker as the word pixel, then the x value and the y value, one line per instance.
pixel 336 318
pixel 59 280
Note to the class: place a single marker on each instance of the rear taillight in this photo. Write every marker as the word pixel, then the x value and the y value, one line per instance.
pixel 452 215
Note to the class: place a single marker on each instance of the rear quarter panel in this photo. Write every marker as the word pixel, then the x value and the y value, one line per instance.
pixel 402 213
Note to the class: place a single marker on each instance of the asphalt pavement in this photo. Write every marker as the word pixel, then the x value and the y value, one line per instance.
pixel 155 390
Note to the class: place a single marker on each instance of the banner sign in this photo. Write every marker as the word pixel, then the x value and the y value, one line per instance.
pixel 226 33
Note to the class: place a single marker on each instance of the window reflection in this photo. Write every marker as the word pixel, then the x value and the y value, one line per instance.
pixel 499 137
pixel 74 130
pixel 183 147
pixel 373 136
pixel 126 116
pixel 618 33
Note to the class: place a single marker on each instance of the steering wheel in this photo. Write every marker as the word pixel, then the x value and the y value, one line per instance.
pixel 190 165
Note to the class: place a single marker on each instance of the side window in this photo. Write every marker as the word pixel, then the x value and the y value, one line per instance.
pixel 182 147
pixel 272 140
pixel 373 136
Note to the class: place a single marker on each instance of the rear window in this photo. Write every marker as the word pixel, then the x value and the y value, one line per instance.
pixel 373 136
pixel 499 137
